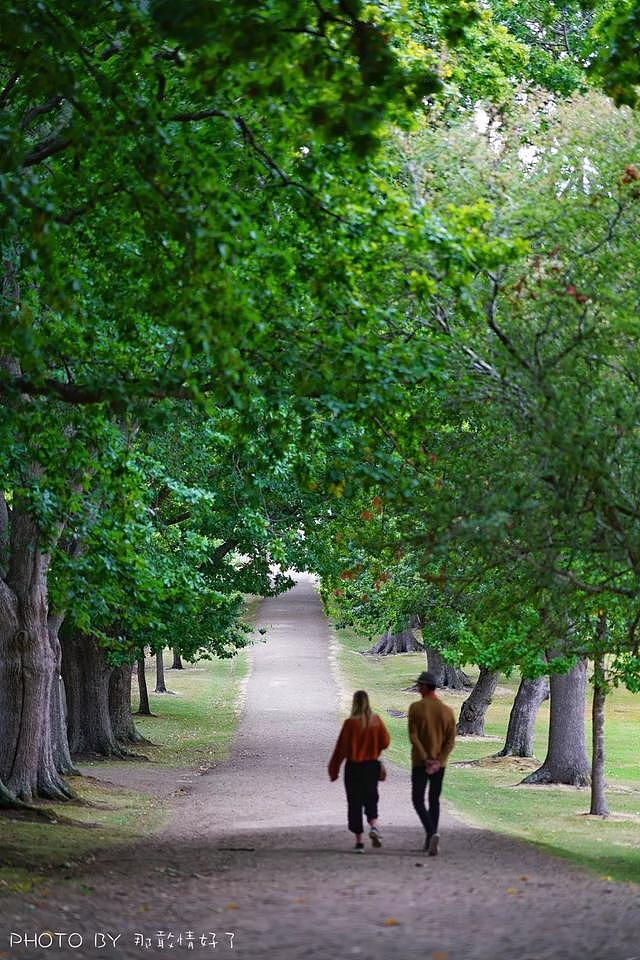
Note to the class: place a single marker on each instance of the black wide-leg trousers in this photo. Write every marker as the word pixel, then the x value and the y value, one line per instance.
pixel 361 784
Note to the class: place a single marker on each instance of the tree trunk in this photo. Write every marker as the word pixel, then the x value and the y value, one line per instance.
pixel 59 733
pixel 5 536
pixel 566 760
pixel 144 710
pixel 521 730
pixel 120 705
pixel 390 643
pixel 598 797
pixel 445 674
pixel 86 679
pixel 177 661
pixel 27 669
pixel 474 708
pixel 161 686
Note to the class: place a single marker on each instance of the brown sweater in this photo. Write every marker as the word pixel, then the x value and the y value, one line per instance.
pixel 358 743
pixel 432 731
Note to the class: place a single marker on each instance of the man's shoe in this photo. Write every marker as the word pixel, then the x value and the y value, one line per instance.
pixel 359 848
pixel 433 845
pixel 376 839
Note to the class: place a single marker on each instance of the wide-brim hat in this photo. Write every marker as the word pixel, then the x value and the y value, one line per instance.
pixel 427 678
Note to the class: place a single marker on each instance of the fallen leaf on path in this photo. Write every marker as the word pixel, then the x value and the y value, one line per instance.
pixel 439 955
pixel 524 878
pixel 298 900
pixel 512 890
pixel 232 906
pixel 390 922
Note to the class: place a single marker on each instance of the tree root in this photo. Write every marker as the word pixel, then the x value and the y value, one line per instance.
pixel 7 799
pixel 13 807
pixel 543 776
pixel 56 789
pixel 505 752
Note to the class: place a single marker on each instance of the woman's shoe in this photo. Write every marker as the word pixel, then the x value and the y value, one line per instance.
pixel 359 848
pixel 376 839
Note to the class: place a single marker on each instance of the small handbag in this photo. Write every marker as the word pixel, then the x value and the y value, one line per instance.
pixel 382 772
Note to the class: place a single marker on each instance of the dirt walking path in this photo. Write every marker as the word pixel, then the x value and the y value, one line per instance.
pixel 257 852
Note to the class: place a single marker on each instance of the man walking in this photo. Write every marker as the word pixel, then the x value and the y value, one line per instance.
pixel 432 732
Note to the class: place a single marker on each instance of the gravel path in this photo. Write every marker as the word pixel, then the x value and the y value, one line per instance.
pixel 258 848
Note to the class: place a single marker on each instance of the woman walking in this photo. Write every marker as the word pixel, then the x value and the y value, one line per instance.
pixel 362 738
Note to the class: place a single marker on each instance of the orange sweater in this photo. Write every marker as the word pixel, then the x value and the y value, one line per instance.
pixel 358 743
pixel 432 730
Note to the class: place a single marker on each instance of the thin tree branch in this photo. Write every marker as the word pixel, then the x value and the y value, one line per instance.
pixel 594 588
pixel 47 148
pixel 608 237
pixel 221 552
pixel 8 87
pixel 190 117
pixel 52 104
pixel 67 217
pixel 85 395
pixel 492 323
pixel 250 140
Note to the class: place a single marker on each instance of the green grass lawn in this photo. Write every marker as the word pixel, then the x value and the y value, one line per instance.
pixel 193 725
pixel 488 794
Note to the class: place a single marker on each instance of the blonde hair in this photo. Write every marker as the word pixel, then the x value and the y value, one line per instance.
pixel 360 707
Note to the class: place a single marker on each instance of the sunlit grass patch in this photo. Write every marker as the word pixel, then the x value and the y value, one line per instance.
pixel 194 724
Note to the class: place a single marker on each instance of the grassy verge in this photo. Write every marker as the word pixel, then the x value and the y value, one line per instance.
pixel 31 851
pixel 488 794
pixel 194 724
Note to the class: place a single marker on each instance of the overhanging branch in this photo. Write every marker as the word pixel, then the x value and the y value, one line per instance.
pixel 86 395
pixel 47 148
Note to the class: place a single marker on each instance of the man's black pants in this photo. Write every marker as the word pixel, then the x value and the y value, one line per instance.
pixel 361 784
pixel 419 780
